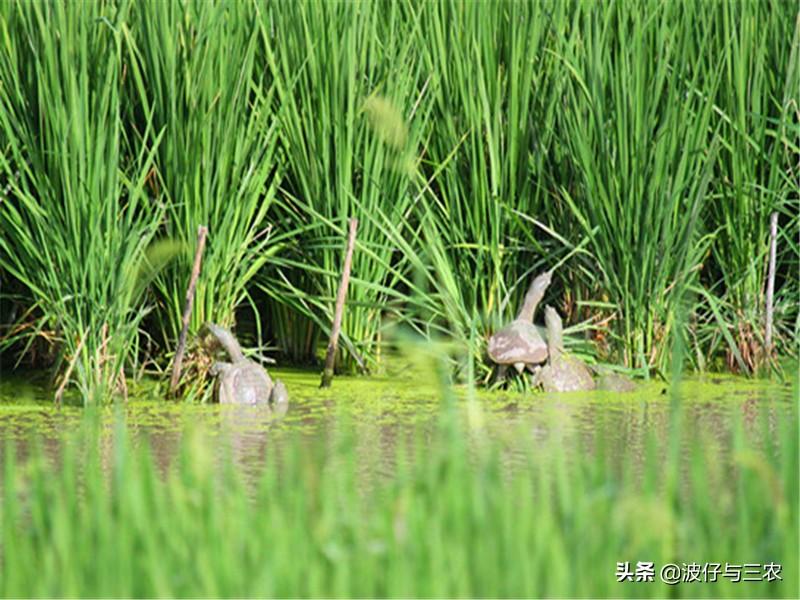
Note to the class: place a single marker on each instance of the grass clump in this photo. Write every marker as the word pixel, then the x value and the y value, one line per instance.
pixel 756 173
pixel 195 72
pixel 76 223
pixel 490 147
pixel 346 79
pixel 639 135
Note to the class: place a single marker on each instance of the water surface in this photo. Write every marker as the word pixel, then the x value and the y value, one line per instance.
pixel 387 414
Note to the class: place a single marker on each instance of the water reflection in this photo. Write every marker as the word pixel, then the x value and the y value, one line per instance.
pixel 387 426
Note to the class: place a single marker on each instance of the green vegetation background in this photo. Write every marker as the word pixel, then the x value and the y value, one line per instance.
pixel 647 143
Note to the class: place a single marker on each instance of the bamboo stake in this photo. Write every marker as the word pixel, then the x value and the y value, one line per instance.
pixel 773 235
pixel 202 231
pixel 330 357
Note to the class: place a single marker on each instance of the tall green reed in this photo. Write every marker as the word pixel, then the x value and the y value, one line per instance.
pixel 491 155
pixel 77 222
pixel 638 123
pixel 194 68
pixel 349 91
pixel 753 106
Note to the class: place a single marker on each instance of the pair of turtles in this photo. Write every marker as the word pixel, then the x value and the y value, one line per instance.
pixel 520 344
pixel 243 381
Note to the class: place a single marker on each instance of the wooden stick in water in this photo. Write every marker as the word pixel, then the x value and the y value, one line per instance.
pixel 330 357
pixel 773 235
pixel 202 231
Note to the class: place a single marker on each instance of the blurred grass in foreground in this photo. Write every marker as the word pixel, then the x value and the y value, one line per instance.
pixel 453 519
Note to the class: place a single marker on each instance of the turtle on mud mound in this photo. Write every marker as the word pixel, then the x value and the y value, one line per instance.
pixel 243 381
pixel 519 343
pixel 563 373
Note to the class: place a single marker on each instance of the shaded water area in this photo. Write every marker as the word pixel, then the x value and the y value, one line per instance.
pixel 390 414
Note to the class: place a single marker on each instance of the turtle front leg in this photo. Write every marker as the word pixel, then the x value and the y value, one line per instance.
pixel 536 375
pixel 500 374
pixel 279 398
pixel 224 386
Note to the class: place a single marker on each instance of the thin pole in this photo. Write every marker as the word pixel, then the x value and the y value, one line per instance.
pixel 773 235
pixel 330 357
pixel 202 231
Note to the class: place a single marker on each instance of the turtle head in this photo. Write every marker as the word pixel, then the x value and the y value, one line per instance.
pixel 534 296
pixel 223 337
pixel 541 283
pixel 555 341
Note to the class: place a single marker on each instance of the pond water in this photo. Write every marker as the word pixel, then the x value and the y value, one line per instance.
pixel 388 412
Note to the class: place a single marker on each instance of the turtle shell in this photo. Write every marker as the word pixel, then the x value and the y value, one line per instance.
pixel 244 383
pixel 615 382
pixel 518 342
pixel 565 374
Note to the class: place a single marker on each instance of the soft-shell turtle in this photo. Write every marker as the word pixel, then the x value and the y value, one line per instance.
pixel 563 373
pixel 613 382
pixel 243 381
pixel 519 343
